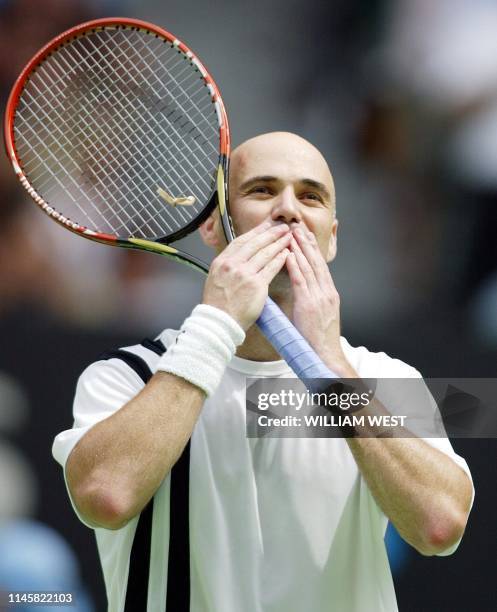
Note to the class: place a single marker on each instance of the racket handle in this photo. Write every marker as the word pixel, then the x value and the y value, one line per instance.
pixel 291 345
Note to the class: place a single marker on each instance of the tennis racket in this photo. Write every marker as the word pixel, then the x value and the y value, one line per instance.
pixel 119 134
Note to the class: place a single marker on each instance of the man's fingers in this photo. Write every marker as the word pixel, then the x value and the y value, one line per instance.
pixel 237 242
pixel 274 266
pixel 304 266
pixel 296 276
pixel 258 229
pixel 265 254
pixel 246 249
pixel 308 246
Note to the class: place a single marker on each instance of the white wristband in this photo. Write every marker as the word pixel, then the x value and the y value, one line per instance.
pixel 205 345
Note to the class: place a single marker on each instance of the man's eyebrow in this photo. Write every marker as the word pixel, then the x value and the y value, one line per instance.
pixel 258 179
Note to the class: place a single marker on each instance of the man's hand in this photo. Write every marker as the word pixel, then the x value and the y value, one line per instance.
pixel 239 277
pixel 316 303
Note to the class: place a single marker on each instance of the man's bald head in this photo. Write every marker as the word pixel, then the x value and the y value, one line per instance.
pixel 291 151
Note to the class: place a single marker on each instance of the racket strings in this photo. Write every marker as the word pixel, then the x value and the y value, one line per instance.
pixel 61 145
pixel 110 117
pixel 195 114
pixel 141 132
pixel 96 175
pixel 121 169
pixel 182 91
pixel 201 176
pixel 57 140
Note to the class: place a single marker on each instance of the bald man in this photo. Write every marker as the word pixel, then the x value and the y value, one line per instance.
pixel 274 525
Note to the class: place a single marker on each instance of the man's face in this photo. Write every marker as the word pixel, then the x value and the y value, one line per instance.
pixel 282 178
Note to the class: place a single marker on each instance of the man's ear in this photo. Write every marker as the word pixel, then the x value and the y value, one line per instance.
pixel 210 231
pixel 332 246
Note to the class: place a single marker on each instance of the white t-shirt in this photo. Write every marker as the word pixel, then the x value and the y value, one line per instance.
pixel 276 524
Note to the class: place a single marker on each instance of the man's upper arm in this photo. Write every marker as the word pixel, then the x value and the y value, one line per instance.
pixel 102 389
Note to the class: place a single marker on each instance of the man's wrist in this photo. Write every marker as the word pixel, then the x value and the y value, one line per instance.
pixel 229 312
pixel 205 345
pixel 339 365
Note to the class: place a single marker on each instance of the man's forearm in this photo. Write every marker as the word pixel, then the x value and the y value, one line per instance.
pixel 421 490
pixel 115 469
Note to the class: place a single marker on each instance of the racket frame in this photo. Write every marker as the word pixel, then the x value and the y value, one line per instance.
pixel 159 246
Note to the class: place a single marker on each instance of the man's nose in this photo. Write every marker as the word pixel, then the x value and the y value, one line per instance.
pixel 286 207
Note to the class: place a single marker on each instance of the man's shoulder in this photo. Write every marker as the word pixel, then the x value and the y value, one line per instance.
pixel 152 346
pixel 135 360
pixel 371 364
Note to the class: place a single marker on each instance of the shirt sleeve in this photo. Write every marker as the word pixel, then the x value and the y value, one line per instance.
pixel 102 389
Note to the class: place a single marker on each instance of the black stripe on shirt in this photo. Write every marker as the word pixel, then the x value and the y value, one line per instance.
pixel 178 570
pixel 135 362
pixel 178 578
pixel 154 345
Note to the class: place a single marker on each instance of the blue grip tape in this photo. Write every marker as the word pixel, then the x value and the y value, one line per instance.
pixel 290 344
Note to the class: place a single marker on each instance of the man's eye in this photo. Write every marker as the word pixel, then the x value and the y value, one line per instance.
pixel 312 196
pixel 261 189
